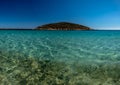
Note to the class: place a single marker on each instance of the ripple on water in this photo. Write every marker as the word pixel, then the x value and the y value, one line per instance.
pixel 48 58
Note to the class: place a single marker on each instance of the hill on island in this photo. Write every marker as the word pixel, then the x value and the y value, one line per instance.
pixel 62 26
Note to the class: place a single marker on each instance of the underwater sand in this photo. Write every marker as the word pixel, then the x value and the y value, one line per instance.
pixel 30 57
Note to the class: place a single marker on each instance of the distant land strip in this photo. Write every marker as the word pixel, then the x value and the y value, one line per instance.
pixel 62 26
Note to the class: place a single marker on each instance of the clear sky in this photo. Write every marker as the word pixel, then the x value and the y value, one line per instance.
pixel 97 14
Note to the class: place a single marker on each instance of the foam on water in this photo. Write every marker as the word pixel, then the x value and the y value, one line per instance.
pixel 77 57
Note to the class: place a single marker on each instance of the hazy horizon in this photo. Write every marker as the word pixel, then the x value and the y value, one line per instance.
pixel 103 14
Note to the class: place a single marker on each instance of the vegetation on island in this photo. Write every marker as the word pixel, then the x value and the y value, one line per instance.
pixel 63 26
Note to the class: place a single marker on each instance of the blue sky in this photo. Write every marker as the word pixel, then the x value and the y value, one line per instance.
pixel 97 14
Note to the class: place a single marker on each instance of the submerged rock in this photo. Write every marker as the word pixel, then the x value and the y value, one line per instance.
pixel 35 71
pixel 34 65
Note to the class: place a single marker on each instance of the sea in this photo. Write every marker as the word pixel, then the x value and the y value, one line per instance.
pixel 32 57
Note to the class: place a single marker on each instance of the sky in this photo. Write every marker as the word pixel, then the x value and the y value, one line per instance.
pixel 97 14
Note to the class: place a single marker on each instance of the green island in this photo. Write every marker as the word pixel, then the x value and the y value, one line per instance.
pixel 62 26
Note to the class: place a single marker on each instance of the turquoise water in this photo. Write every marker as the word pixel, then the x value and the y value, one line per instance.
pixel 30 57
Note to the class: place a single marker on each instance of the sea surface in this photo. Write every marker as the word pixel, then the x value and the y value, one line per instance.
pixel 32 57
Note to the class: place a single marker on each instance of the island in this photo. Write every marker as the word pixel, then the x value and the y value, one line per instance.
pixel 62 26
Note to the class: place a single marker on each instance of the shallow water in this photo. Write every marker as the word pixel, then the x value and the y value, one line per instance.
pixel 30 57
